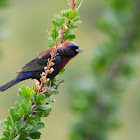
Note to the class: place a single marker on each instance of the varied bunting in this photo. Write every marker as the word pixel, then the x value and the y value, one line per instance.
pixel 33 69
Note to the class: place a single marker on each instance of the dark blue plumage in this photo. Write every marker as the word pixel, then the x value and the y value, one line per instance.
pixel 33 69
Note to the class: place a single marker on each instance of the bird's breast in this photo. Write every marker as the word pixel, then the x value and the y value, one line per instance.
pixel 58 67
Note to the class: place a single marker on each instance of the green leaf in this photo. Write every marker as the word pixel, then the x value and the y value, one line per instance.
pixel 17 125
pixel 62 21
pixel 38 126
pixel 12 112
pixel 24 91
pixel 12 122
pixel 65 13
pixel 9 120
pixel 24 107
pixel 21 112
pixel 61 13
pixel 6 133
pixel 44 107
pixel 6 122
pixel 35 135
pixel 69 16
pixel 28 91
pixel 3 125
pixel 76 19
pixel 40 97
pixel 51 43
pixel 21 95
pixel 11 136
pixel 74 27
pixel 24 137
pixel 27 116
pixel 22 126
pixel 70 6
pixel 46 113
pixel 48 101
pixel 32 95
pixel 55 23
pixel 62 71
pixel 17 105
pixel 29 106
pixel 29 127
pixel 70 37
pixel 12 129
pixel 32 122
pixel 54 33
pixel 17 116
pixel 3 138
pixel 74 14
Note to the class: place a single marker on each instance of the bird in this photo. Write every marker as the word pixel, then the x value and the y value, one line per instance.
pixel 33 70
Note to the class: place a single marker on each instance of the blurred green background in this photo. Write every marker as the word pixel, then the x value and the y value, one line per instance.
pixel 24 37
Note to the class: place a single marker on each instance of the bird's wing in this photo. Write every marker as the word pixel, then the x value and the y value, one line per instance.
pixel 39 62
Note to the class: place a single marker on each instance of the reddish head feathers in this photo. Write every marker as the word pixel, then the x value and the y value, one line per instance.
pixel 65 43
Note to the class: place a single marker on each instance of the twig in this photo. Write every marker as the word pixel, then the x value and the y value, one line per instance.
pixel 48 69
pixel 73 4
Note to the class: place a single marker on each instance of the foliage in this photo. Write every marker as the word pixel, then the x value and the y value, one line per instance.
pixel 25 120
pixel 97 108
pixel 64 24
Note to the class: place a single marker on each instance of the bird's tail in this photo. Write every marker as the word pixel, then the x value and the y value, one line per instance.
pixel 9 84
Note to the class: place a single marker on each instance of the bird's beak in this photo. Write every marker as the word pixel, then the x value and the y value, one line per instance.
pixel 79 50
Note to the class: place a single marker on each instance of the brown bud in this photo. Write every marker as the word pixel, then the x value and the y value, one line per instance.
pixel 47 80
pixel 43 74
pixel 45 68
pixel 36 81
pixel 52 63
pixel 66 27
pixel 51 70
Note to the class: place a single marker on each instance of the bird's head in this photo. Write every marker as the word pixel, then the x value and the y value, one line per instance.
pixel 69 49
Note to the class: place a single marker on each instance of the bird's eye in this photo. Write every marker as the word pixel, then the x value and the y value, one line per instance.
pixel 74 47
